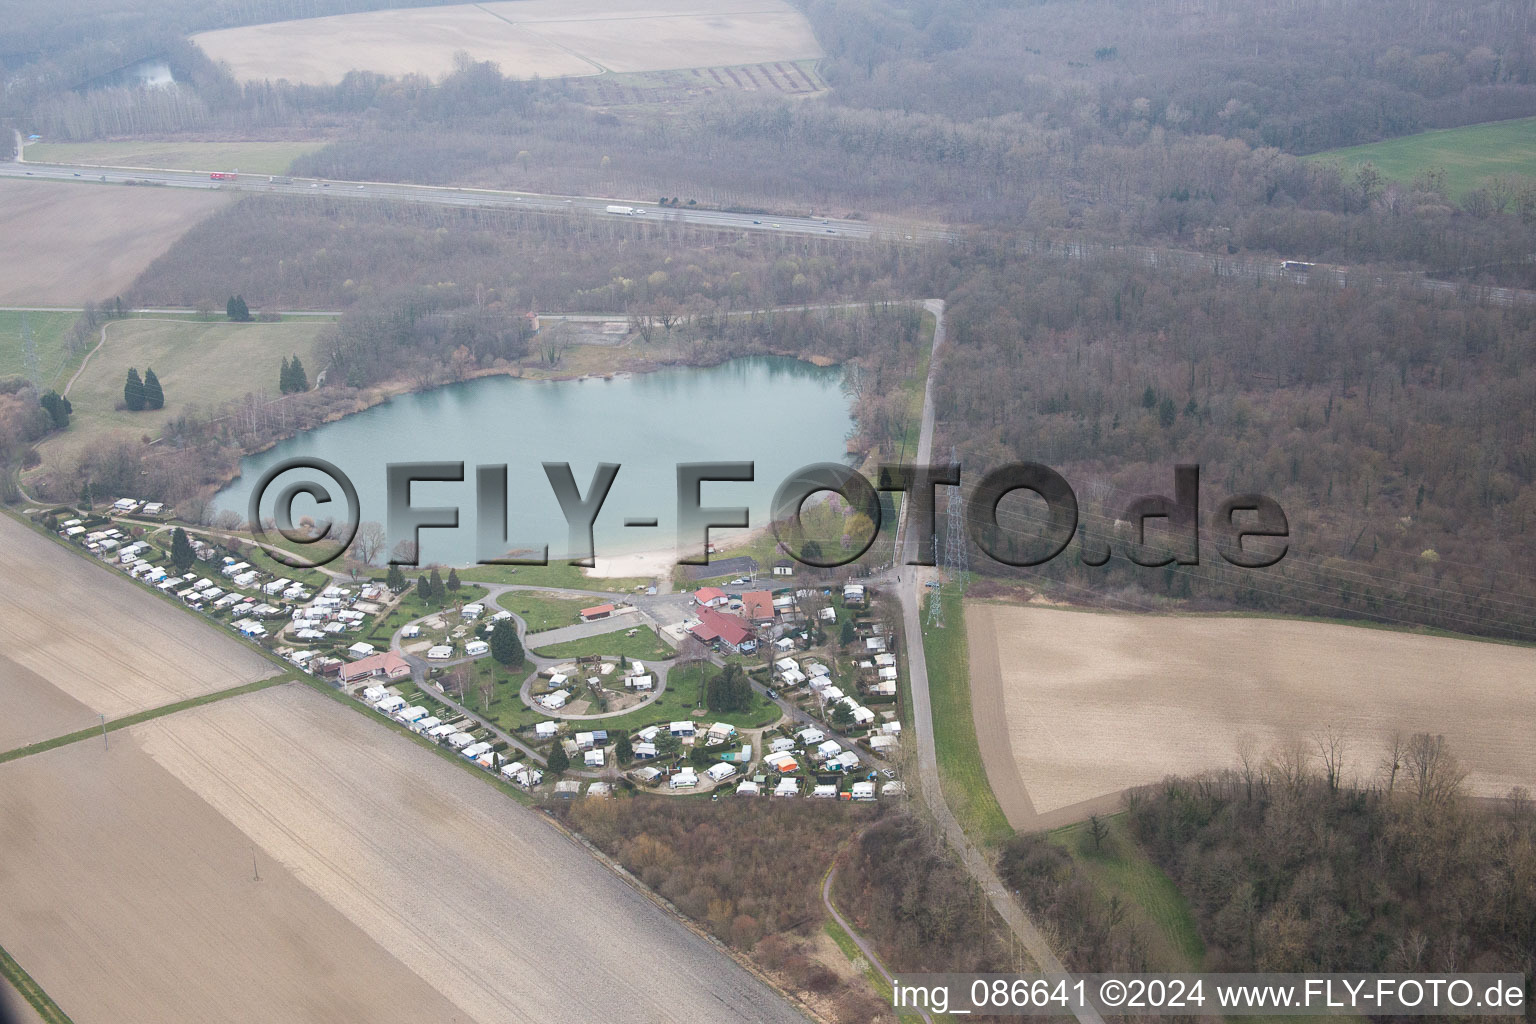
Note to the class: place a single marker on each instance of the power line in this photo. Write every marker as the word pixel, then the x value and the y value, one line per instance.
pixel 29 353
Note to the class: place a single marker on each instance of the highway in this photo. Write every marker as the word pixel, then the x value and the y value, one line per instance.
pixel 855 230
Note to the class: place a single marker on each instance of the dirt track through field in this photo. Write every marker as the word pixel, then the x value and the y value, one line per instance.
pixel 99 641
pixel 1072 708
pixel 67 244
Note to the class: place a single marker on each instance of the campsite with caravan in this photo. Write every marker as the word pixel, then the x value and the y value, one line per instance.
pixel 712 510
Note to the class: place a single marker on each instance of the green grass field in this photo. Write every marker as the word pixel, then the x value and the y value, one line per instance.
pixel 645 645
pixel 198 363
pixel 961 770
pixel 543 611
pixel 50 340
pixel 247 157
pixel 1467 155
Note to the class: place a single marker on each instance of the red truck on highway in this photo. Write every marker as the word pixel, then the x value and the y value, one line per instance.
pixel 223 176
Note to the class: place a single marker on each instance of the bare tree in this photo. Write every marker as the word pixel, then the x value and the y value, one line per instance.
pixel 1392 760
pixel 1432 768
pixel 1247 756
pixel 369 542
pixel 404 553
pixel 1330 749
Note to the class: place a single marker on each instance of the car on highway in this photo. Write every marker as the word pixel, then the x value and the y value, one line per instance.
pixel 830 231
pixel 778 225
pixel 359 188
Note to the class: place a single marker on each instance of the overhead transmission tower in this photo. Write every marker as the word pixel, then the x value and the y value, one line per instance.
pixel 29 362
pixel 956 561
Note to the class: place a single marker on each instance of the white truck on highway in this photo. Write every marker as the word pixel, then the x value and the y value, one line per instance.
pixel 628 211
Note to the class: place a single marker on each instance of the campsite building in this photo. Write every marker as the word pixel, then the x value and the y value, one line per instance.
pixel 718 627
pixel 386 663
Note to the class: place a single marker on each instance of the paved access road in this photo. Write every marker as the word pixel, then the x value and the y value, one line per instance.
pixel 908 591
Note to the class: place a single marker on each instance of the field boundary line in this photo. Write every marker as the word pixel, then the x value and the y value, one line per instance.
pixel 31 991
pixel 139 717
pixel 990 722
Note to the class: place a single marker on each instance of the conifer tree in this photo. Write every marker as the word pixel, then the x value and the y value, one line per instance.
pixel 182 555
pixel 133 391
pixel 154 396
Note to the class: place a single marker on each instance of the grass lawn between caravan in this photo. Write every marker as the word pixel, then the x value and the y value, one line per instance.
pixel 962 773
pixel 683 697
pixel 645 645
pixel 1467 155
pixel 541 611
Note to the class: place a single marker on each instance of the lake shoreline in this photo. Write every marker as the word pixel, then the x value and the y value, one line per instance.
pixel 695 411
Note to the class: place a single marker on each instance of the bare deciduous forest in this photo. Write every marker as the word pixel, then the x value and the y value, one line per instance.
pixel 1290 868
pixel 1394 428
pixel 1395 424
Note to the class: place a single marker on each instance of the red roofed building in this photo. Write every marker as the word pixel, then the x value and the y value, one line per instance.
pixel 757 606
pixel 727 629
pixel 387 664
pixel 709 597
pixel 601 611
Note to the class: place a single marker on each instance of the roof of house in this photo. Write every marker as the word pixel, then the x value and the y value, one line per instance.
pixel 713 625
pixel 597 609
pixel 757 604
pixel 706 594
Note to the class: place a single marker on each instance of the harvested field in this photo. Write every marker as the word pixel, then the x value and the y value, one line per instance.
pixel 87 641
pixel 546 38
pixel 1096 703
pixel 411 890
pixel 128 898
pixel 36 709
pixel 69 243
